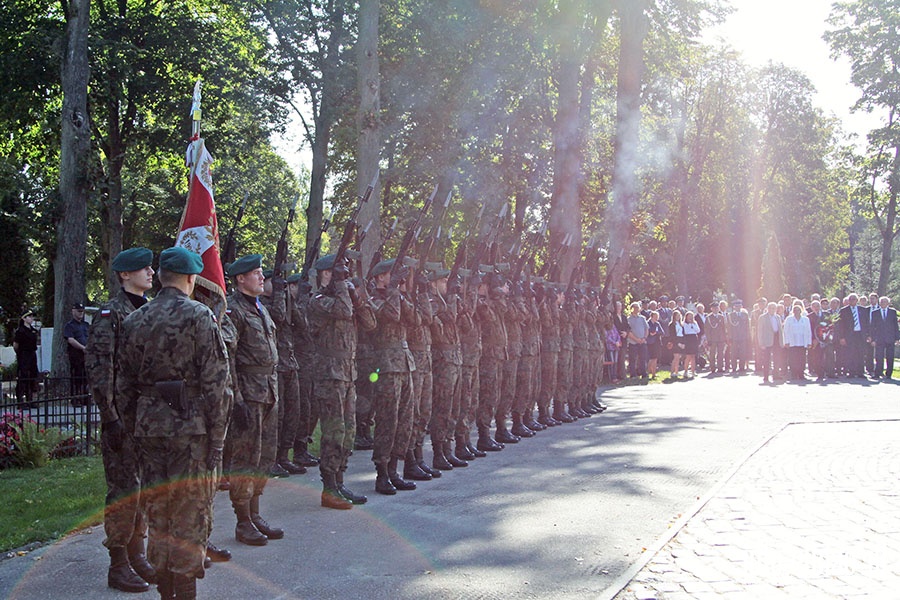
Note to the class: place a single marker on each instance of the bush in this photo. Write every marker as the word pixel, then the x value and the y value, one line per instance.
pixel 25 444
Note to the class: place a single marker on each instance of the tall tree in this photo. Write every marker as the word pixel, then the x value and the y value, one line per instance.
pixel 368 121
pixel 74 177
pixel 868 33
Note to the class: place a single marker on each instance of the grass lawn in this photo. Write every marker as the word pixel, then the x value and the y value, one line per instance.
pixel 41 505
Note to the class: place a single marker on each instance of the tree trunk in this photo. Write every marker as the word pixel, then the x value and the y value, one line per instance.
pixel 634 25
pixel 74 183
pixel 889 233
pixel 368 122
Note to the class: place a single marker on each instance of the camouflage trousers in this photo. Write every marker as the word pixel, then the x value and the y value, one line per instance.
pixel 507 387
pixel 468 399
pixel 489 376
pixel 308 414
pixel 423 395
pixel 581 374
pixel 178 491
pixel 549 369
pixel 365 392
pixel 288 409
pixel 527 381
pixel 564 383
pixel 123 516
pixel 336 402
pixel 447 395
pixel 392 402
pixel 252 452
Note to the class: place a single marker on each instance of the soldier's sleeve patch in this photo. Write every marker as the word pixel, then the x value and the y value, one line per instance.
pixel 105 312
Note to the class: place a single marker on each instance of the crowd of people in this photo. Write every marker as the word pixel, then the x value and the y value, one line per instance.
pixel 195 395
pixel 788 339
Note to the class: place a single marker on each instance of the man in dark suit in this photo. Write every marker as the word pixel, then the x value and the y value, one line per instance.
pixel 853 327
pixel 883 334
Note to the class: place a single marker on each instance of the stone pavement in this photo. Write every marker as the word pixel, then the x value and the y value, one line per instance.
pixel 814 513
pixel 579 510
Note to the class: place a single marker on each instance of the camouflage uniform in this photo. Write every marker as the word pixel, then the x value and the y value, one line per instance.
pixel 284 314
pixel 419 340
pixel 123 518
pixel 393 362
pixel 494 345
pixel 305 351
pixel 581 360
pixel 447 355
pixel 175 339
pixel 333 323
pixel 365 388
pixel 253 449
pixel 564 383
pixel 528 376
pixel 549 313
pixel 469 386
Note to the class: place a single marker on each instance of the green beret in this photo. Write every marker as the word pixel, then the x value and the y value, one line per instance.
pixel 133 259
pixel 180 260
pixel 295 278
pixel 267 273
pixel 325 263
pixel 383 267
pixel 245 264
pixel 438 274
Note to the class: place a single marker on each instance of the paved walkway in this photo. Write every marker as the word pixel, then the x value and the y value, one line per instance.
pixel 815 513
pixel 581 510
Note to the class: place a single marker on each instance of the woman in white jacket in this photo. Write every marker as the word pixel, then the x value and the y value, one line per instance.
pixel 797 338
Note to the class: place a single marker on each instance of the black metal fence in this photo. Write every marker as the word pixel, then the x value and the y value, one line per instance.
pixel 56 402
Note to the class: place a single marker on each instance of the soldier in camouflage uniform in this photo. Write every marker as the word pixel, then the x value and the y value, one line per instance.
pixel 253 436
pixel 285 313
pixel 305 351
pixel 491 312
pixel 174 400
pixel 581 366
pixel 548 308
pixel 527 378
pixel 124 520
pixel 470 343
pixel 447 355
pixel 512 318
pixel 393 362
pixel 419 341
pixel 564 383
pixel 335 312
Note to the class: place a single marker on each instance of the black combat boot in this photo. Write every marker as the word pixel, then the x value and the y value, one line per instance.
pixel 412 470
pixel 454 460
pixel 246 532
pixel 440 461
pixel 519 428
pixel 529 422
pixel 278 471
pixel 121 576
pixel 462 449
pixel 471 447
pixel 216 554
pixel 273 533
pixel 502 434
pixel 486 443
pixel 285 463
pixel 544 417
pixel 346 493
pixel 302 456
pixel 383 483
pixel 560 414
pixel 364 439
pixel 331 495
pixel 138 558
pixel 398 482
pixel 185 586
pixel 420 460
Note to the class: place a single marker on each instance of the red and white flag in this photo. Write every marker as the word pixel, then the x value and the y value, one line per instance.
pixel 199 229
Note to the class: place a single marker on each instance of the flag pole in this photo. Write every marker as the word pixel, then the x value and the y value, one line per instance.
pixel 196 115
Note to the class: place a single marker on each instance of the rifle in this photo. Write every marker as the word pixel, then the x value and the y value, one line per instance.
pixel 313 253
pixel 281 251
pixel 485 244
pixel 578 270
pixel 352 224
pixel 548 270
pixel 608 280
pixel 430 242
pixel 526 257
pixel 376 258
pixel 411 234
pixel 228 250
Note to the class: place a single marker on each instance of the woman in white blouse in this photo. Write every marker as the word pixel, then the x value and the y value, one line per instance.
pixel 797 338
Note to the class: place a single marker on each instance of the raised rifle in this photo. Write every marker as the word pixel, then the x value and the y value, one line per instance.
pixel 281 251
pixel 487 241
pixel 411 234
pixel 523 258
pixel 352 223
pixel 313 253
pixel 379 252
pixel 578 270
pixel 228 249
pixel 432 239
